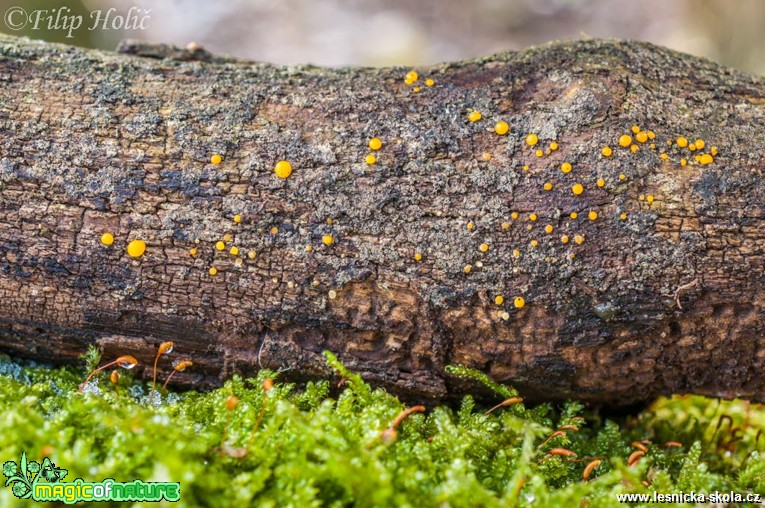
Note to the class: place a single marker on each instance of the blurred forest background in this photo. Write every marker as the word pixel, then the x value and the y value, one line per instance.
pixel 416 32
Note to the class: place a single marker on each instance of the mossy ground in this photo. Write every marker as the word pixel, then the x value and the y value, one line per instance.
pixel 310 449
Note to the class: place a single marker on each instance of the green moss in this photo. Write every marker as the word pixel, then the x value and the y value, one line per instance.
pixel 310 449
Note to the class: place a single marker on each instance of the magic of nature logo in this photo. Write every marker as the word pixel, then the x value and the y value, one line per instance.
pixel 29 479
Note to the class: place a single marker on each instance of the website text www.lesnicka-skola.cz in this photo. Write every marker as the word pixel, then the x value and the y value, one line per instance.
pixel 692 497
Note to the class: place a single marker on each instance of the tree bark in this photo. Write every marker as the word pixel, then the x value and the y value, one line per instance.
pixel 669 299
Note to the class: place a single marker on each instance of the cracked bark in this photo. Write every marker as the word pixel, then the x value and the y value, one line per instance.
pixel 95 141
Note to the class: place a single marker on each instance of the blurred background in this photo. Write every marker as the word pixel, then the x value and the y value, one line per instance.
pixel 402 32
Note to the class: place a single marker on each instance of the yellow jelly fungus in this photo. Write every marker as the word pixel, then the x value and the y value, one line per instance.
pixel 553 146
pixel 566 167
pixel 664 156
pixel 625 140
pixel 623 216
pixel 548 229
pixel 234 251
pixel 429 82
pixel 692 147
pixel 713 150
pixel 501 128
pixel 227 237
pixel 651 135
pixel 484 247
pixel 635 129
pixel 274 230
pixel 216 159
pixel 327 239
pixel 505 225
pixel 526 168
pixel 633 148
pixel 579 239
pixel 330 220
pixel 375 144
pixel 534 243
pixel 470 226
pixel 467 269
pixel 652 146
pixel 408 81
pixel 412 76
pixel 107 239
pixel 649 199
pixel 237 218
pixel 571 256
pixel 193 251
pixel 499 299
pixel 136 248
pixel 574 215
pixel 238 262
pixel 564 239
pixel 519 302
pixel 516 253
pixel 622 176
pixel 514 215
pixel 577 188
pixel 532 217
pixel 706 159
pixel 592 215
pixel 641 137
pixel 474 116
pixel 606 151
pixel 370 159
pixel 700 144
pixel 487 157
pixel 548 186
pixel 416 89
pixel 220 245
pixel 683 162
pixel 418 256
pixel 601 182
pixel 213 271
pixel 539 153
pixel 529 227
pixel 532 139
pixel 682 142
pixel 308 248
pixel 283 169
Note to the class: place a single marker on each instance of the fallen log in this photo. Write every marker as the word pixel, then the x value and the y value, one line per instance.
pixel 548 261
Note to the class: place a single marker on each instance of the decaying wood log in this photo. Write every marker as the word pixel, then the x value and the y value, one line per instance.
pixel 94 142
